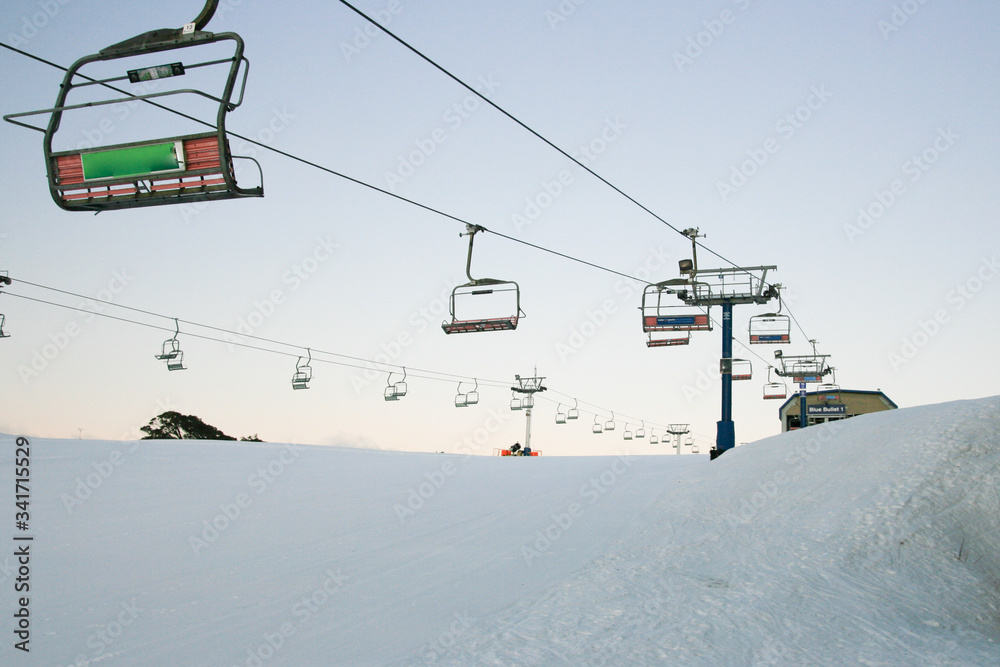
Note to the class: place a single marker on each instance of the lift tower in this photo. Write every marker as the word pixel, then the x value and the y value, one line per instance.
pixel 678 430
pixel 803 369
pixel 529 387
pixel 727 287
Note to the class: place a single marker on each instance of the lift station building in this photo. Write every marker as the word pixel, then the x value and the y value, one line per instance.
pixel 824 406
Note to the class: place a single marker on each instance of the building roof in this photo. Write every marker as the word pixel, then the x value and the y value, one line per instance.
pixel 795 397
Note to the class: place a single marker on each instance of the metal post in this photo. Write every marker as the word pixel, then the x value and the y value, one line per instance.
pixel 726 433
pixel 803 417
pixel 527 428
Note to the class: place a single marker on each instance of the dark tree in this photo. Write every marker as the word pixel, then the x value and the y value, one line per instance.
pixel 175 426
pixel 252 438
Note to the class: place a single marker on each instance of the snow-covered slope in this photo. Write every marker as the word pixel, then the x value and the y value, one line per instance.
pixel 874 540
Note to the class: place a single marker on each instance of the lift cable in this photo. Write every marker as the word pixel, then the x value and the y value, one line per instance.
pixel 393 194
pixel 526 127
pixel 533 132
pixel 365 364
pixel 405 199
pixel 369 364
pixel 333 172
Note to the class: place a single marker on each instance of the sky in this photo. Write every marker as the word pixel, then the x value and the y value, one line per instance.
pixel 850 145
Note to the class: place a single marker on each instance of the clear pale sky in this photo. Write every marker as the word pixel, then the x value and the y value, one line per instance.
pixel 851 144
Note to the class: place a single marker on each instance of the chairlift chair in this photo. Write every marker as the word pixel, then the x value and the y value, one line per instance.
pixel 775 390
pixel 831 388
pixel 640 432
pixel 610 424
pixel 170 351
pixel 173 170
pixel 654 439
pixel 303 372
pixel 395 390
pixel 742 370
pixel 659 317
pixel 773 328
pixel 472 397
pixel 468 398
pixel 573 412
pixel 830 391
pixel 671 341
pixel 3 334
pixel 528 402
pixel 176 363
pixel 171 348
pixel 560 415
pixel 480 287
pixel 515 402
pixel 626 434
pixel 597 426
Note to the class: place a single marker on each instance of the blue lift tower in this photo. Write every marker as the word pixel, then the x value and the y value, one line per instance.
pixel 700 289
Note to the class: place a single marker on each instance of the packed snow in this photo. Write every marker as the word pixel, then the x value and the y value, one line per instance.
pixel 873 541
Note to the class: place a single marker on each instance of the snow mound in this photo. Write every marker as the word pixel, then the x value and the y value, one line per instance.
pixel 875 540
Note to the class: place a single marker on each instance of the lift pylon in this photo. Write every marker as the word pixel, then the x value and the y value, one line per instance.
pixel 803 369
pixel 725 287
pixel 527 387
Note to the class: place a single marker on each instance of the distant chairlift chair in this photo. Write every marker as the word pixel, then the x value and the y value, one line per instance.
pixel 395 390
pixel 303 372
pixel 170 351
pixel 468 398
